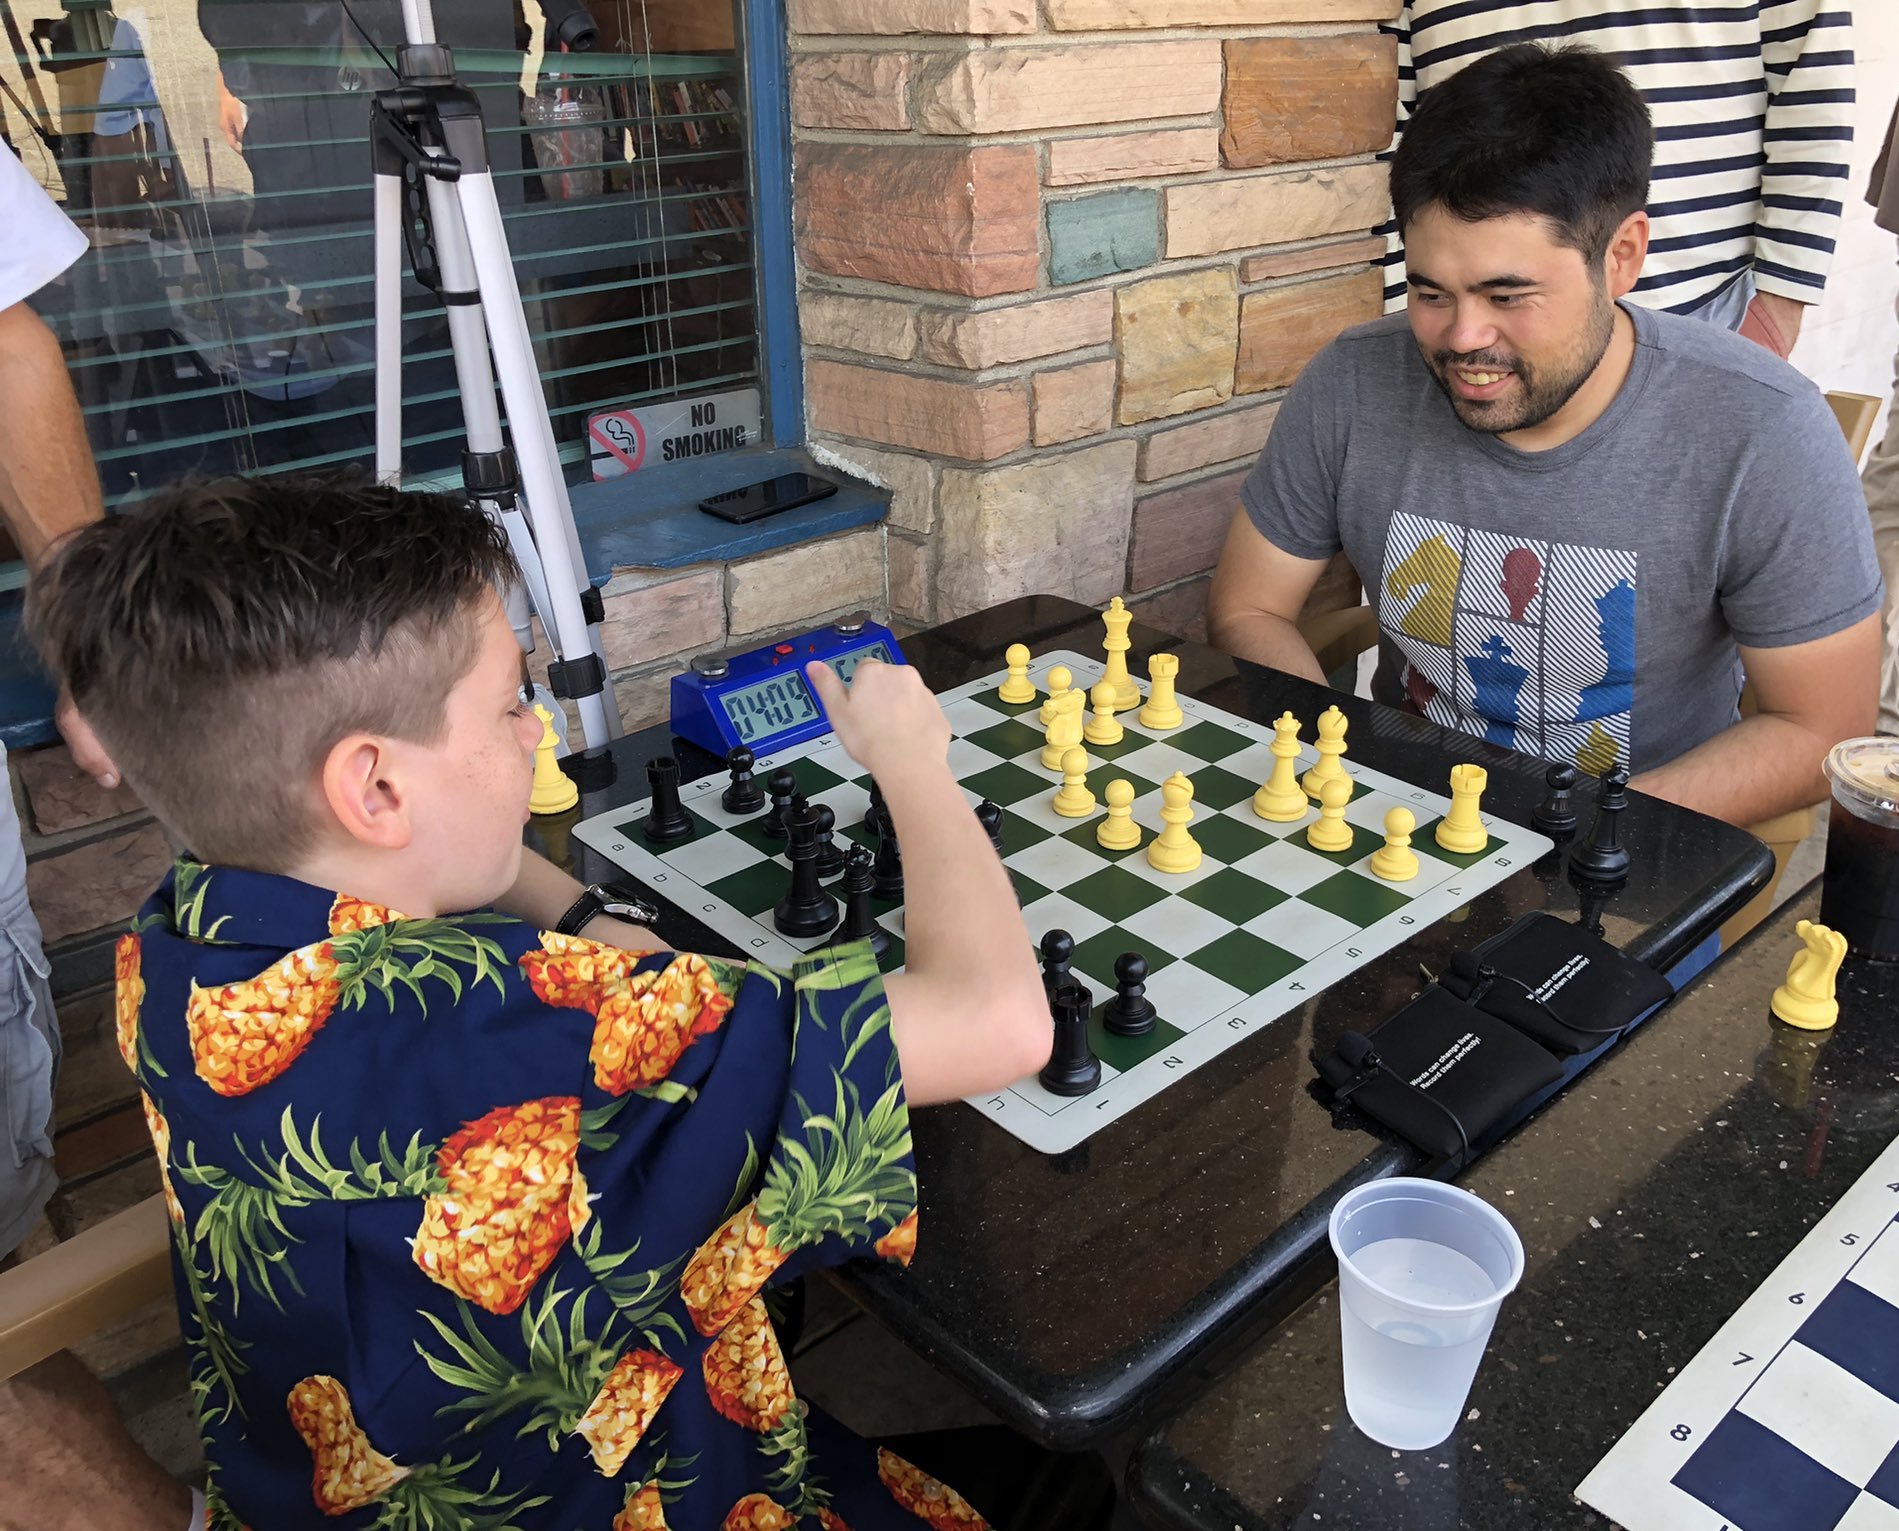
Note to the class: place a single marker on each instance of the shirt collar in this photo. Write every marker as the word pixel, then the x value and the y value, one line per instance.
pixel 228 906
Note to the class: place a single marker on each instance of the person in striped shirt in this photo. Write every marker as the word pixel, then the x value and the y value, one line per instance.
pixel 1752 102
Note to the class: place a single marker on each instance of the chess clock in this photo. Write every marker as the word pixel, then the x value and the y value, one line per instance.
pixel 762 699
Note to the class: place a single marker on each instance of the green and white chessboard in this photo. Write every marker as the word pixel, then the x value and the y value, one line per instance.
pixel 1261 926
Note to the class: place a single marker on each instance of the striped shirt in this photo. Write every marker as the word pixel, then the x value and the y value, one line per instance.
pixel 1752 102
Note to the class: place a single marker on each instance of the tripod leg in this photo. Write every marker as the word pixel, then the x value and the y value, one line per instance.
pixel 388 328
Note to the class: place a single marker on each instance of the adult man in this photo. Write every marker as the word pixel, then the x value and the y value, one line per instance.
pixel 1882 468
pixel 1752 102
pixel 64 1456
pixel 1574 511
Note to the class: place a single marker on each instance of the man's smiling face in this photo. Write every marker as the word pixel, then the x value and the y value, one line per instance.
pixel 1509 320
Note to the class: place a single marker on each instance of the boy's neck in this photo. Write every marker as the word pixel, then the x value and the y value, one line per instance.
pixel 377 878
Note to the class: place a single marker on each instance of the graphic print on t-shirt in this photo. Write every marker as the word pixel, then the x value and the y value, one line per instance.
pixel 1529 644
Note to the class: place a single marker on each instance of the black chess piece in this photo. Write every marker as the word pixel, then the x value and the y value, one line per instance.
pixel 989 815
pixel 783 787
pixel 877 815
pixel 667 821
pixel 888 883
pixel 1058 950
pixel 1556 814
pixel 744 795
pixel 830 857
pixel 1599 857
pixel 806 909
pixel 1130 1013
pixel 1072 1067
pixel 860 920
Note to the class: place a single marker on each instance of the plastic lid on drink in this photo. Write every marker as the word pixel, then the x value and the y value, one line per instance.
pixel 1865 774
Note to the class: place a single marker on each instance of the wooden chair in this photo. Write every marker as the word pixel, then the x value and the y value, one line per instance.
pixel 77 1287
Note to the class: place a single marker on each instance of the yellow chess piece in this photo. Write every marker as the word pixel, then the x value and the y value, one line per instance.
pixel 1058 681
pixel 1281 799
pixel 1331 745
pixel 1117 643
pixel 1018 688
pixel 1064 729
pixel 1103 729
pixel 1162 711
pixel 554 790
pixel 1329 831
pixel 1074 800
pixel 1173 849
pixel 1461 831
pixel 1395 861
pixel 1118 831
pixel 1806 998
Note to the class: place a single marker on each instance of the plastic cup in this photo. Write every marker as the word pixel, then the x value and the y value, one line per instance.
pixel 1423 1268
pixel 1860 893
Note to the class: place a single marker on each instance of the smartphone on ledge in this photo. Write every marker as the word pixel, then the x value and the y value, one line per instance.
pixel 756 501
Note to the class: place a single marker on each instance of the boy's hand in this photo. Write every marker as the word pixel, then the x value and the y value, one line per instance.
pixel 886 718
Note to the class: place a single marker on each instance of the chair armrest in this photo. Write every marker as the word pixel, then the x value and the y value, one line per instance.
pixel 1336 638
pixel 77 1287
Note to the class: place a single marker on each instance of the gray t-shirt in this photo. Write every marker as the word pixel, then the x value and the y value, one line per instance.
pixel 1583 603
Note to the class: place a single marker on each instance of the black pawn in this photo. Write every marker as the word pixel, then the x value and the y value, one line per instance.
pixel 877 815
pixel 667 820
pixel 744 795
pixel 1556 814
pixel 806 909
pixel 887 872
pixel 783 787
pixel 830 858
pixel 860 921
pixel 1599 857
pixel 989 815
pixel 1072 1067
pixel 1130 1013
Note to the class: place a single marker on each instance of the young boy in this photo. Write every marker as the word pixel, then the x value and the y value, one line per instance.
pixel 470 1218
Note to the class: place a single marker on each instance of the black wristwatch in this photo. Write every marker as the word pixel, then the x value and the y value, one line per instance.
pixel 605 898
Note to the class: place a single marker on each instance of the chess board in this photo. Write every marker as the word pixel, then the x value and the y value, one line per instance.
pixel 1261 926
pixel 1788 1419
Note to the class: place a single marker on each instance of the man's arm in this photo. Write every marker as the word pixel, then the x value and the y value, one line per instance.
pixel 48 486
pixel 542 893
pixel 1811 696
pixel 1257 595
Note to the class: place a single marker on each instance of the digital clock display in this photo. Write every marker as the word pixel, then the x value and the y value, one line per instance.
pixel 846 664
pixel 770 706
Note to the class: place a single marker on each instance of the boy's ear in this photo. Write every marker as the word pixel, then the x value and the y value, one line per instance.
pixel 361 786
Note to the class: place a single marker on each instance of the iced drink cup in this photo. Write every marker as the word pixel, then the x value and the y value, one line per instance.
pixel 1423 1268
pixel 1860 895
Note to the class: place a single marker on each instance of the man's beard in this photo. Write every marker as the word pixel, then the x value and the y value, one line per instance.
pixel 1538 394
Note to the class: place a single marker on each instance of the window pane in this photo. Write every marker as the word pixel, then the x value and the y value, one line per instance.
pixel 216 153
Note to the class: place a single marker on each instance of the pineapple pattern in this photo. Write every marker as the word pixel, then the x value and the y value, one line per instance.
pixel 471 1221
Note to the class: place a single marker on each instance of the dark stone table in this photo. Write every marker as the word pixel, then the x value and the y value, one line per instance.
pixel 1069 1292
pixel 1651 1198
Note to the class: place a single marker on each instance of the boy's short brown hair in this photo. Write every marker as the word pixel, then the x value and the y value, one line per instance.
pixel 223 634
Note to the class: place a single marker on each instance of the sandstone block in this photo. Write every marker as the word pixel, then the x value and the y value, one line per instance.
pixel 1108 15
pixel 1315 257
pixel 1226 437
pixel 974 421
pixel 96 885
pixel 1073 402
pixel 1211 216
pixel 60 796
pixel 1177 337
pixel 1126 156
pixel 995 337
pixel 910 578
pixel 666 617
pixel 875 326
pixel 788 589
pixel 910 480
pixel 883 18
pixel 1056 524
pixel 861 91
pixel 949 219
pixel 645 697
pixel 1099 235
pixel 1006 90
pixel 1179 532
pixel 1302 98
pixel 1181 611
pixel 1283 328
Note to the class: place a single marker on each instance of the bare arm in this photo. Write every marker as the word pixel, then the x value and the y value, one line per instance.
pixel 1258 593
pixel 1811 696
pixel 48 486
pixel 542 893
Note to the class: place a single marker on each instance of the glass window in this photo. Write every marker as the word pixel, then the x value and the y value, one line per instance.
pixel 216 154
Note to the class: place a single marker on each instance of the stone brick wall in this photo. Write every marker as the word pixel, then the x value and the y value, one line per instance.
pixel 1059 259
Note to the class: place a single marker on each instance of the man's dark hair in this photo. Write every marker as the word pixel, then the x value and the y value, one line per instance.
pixel 223 634
pixel 1558 132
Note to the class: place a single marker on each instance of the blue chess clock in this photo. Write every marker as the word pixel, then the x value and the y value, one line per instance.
pixel 762 699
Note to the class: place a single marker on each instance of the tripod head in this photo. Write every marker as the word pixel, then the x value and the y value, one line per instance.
pixel 569 26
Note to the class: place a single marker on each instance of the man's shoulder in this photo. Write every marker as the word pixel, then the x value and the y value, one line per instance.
pixel 1377 355
pixel 1710 367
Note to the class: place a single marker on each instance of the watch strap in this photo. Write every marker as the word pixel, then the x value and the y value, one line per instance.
pixel 581 912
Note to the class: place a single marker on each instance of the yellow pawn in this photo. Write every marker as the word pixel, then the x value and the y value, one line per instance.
pixel 1806 998
pixel 1461 831
pixel 1282 800
pixel 554 790
pixel 1064 730
pixel 1074 800
pixel 1102 729
pixel 1395 861
pixel 1058 680
pixel 1018 688
pixel 1118 831
pixel 1173 849
pixel 1162 711
pixel 1329 831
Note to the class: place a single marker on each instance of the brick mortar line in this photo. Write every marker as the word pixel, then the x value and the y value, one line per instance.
pixel 949 372
pixel 1002 138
